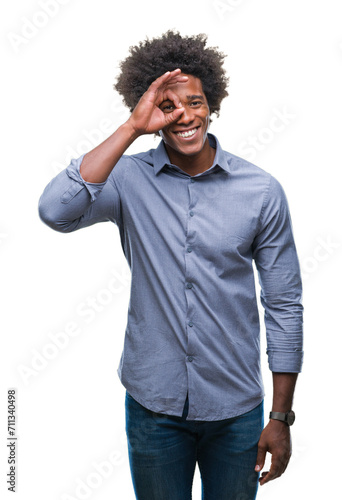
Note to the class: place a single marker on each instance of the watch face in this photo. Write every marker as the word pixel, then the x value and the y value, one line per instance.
pixel 290 417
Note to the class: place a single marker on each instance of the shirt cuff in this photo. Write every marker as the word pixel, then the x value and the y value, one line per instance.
pixel 280 361
pixel 73 171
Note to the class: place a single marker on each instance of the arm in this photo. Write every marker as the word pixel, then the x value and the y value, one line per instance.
pixel 71 200
pixel 276 438
pixel 147 118
pixel 281 291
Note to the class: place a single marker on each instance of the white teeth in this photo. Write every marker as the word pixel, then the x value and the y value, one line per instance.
pixel 186 134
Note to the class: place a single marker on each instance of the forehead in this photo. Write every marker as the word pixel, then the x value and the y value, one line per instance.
pixel 193 86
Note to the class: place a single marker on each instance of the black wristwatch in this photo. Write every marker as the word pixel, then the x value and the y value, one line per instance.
pixel 288 417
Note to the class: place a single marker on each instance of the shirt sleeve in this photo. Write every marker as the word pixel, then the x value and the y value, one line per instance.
pixel 69 202
pixel 278 268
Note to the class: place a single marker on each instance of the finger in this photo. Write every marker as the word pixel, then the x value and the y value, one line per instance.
pixel 169 77
pixel 169 95
pixel 176 77
pixel 174 73
pixel 172 117
pixel 275 471
pixel 261 456
pixel 164 78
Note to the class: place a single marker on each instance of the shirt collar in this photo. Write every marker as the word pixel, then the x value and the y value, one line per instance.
pixel 161 158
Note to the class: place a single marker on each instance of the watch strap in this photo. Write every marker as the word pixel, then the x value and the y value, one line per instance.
pixel 277 415
pixel 288 417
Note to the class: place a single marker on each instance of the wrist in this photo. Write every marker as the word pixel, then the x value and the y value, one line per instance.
pixel 130 129
pixel 286 418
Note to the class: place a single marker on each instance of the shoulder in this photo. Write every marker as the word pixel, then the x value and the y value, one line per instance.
pixel 131 165
pixel 240 166
pixel 255 182
pixel 253 175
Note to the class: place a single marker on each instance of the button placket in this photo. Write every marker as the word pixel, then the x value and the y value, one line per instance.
pixel 190 286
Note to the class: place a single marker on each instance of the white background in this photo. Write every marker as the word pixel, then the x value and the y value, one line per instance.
pixel 58 69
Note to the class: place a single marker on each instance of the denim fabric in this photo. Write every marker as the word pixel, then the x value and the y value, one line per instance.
pixel 190 242
pixel 163 451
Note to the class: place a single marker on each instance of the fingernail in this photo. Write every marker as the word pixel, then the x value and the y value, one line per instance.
pixel 257 467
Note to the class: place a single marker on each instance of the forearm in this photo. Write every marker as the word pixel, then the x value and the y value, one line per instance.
pixel 100 161
pixel 283 391
pixel 276 438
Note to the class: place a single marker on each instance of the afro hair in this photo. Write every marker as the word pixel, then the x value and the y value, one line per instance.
pixel 152 58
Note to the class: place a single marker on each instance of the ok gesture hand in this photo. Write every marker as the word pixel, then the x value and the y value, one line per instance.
pixel 147 117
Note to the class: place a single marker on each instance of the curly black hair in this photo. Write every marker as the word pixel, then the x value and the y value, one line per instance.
pixel 152 58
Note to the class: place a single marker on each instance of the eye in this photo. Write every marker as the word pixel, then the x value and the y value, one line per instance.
pixel 167 108
pixel 196 103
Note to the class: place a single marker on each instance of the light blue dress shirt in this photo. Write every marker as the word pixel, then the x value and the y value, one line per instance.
pixel 193 322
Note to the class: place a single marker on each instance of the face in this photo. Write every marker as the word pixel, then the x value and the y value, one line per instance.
pixel 188 134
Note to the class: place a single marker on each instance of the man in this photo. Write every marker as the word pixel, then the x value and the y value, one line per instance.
pixel 192 218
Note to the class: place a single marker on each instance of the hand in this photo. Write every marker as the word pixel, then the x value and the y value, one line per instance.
pixel 276 439
pixel 147 117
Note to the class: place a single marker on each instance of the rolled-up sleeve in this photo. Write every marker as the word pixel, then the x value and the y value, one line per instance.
pixel 69 202
pixel 278 268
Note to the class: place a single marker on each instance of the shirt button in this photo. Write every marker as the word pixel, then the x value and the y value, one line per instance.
pixel 190 358
pixel 191 213
pixel 189 249
pixel 189 285
pixel 190 323
pixel 192 180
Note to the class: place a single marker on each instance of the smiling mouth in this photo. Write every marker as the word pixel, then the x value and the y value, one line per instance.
pixel 187 133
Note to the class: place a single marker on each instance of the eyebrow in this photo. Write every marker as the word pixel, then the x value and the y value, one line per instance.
pixel 190 97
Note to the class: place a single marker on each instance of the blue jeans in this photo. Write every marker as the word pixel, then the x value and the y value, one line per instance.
pixel 163 451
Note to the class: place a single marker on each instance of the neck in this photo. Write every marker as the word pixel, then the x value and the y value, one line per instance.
pixel 192 164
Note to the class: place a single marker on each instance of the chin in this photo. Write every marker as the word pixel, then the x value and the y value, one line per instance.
pixel 187 149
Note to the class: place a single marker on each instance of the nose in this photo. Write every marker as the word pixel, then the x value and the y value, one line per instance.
pixel 186 117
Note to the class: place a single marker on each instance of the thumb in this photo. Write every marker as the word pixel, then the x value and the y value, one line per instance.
pixel 261 456
pixel 172 117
